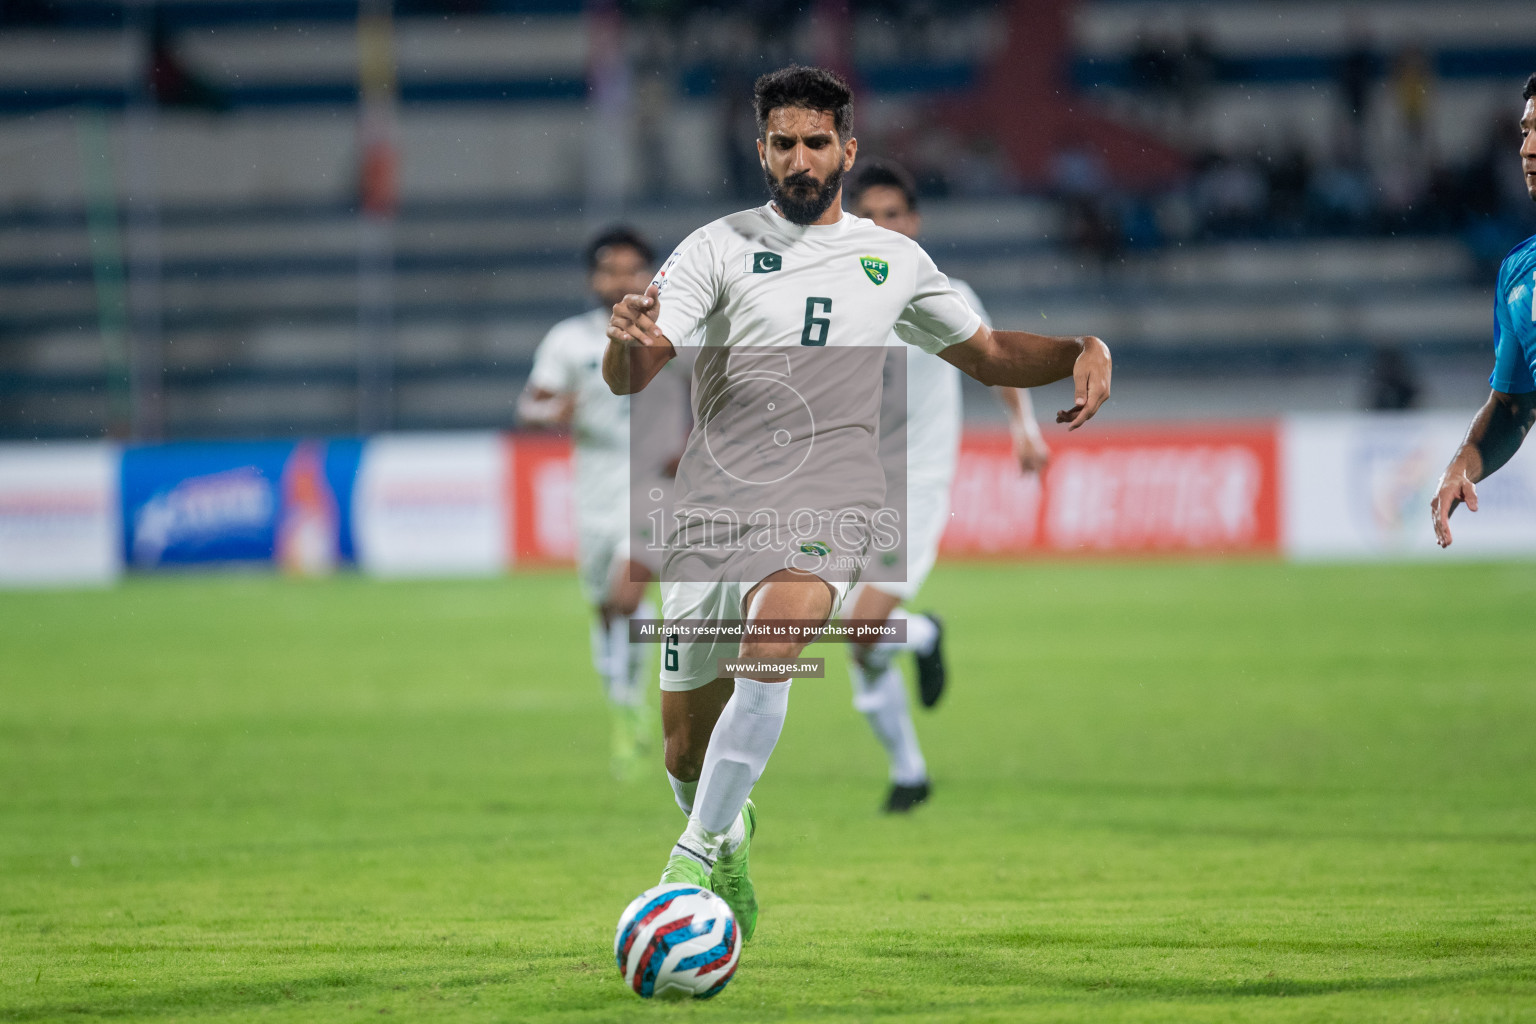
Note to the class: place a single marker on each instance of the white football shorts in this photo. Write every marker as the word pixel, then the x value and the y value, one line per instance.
pixel 688 665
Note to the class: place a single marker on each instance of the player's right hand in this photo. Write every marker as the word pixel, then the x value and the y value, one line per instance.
pixel 1455 488
pixel 634 319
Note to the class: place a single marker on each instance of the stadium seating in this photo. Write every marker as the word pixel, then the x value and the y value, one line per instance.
pixel 258 243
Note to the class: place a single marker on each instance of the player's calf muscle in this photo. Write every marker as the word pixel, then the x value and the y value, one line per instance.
pixel 688 718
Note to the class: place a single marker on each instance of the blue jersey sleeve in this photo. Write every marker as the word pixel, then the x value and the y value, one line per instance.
pixel 1514 329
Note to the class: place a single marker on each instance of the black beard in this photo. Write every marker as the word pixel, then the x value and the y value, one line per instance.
pixel 799 198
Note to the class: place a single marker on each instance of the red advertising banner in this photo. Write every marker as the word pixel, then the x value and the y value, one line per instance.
pixel 542 486
pixel 1207 488
pixel 1202 488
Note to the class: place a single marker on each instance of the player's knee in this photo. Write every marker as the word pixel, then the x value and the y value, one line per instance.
pixel 683 763
pixel 628 591
pixel 770 650
pixel 621 605
pixel 683 750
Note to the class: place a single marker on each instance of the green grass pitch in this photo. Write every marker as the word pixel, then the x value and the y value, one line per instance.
pixel 1163 792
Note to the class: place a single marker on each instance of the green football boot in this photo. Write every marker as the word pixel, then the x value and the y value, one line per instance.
pixel 732 878
pixel 643 727
pixel 685 870
pixel 627 744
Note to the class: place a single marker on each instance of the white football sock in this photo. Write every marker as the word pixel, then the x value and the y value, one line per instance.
pixel 922 634
pixel 744 737
pixel 699 844
pixel 600 651
pixel 639 655
pixel 736 834
pixel 683 791
pixel 616 671
pixel 883 700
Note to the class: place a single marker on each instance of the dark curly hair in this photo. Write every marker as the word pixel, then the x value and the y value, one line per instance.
pixel 620 235
pixel 1530 88
pixel 881 172
pixel 807 88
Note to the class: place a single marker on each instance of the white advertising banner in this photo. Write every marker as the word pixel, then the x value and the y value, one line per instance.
pixel 1359 485
pixel 59 516
pixel 432 505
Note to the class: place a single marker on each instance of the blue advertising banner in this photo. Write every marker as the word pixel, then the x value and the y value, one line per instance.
pixel 256 502
pixel 342 459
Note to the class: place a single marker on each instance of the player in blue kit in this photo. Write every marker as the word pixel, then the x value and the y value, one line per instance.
pixel 1504 420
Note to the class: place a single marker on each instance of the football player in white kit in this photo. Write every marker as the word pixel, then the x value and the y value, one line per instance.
pixel 793 279
pixel 566 388
pixel 885 193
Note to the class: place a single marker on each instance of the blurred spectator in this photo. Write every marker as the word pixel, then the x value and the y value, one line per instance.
pixel 1231 195
pixel 171 82
pixel 455 7
pixel 1482 195
pixel 1175 216
pixel 1082 184
pixel 1290 176
pixel 1176 72
pixel 1413 84
pixel 653 55
pixel 981 168
pixel 1197 68
pixel 1402 193
pixel 1495 208
pixel 1093 229
pixel 930 157
pixel 1141 223
pixel 1079 173
pixel 1153 63
pixel 1282 188
pixel 1391 383
pixel 738 134
pixel 1355 76
pixel 30 12
pixel 1343 198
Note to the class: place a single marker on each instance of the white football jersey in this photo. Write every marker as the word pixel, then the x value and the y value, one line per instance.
pixel 754 278
pixel 933 409
pixel 569 361
pixel 755 281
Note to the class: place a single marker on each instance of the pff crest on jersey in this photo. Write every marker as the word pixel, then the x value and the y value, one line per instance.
pixel 877 269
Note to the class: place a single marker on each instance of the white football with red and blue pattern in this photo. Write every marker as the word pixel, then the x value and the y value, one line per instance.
pixel 677 941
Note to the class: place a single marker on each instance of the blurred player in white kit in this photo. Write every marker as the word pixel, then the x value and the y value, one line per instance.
pixel 886 194
pixel 566 388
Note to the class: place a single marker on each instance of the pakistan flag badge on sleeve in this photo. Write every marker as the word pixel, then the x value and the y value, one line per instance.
pixel 877 269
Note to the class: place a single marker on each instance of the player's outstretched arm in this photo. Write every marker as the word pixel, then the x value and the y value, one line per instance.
pixel 1492 440
pixel 1019 359
pixel 540 407
pixel 1029 447
pixel 637 350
